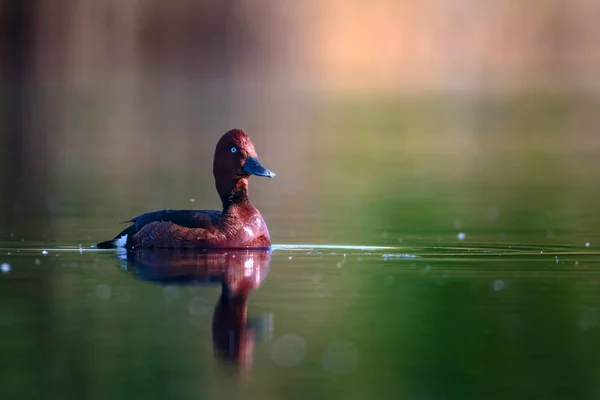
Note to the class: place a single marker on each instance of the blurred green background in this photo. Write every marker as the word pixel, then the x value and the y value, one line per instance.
pixel 114 108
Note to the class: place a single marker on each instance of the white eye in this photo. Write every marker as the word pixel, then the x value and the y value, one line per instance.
pixel 233 149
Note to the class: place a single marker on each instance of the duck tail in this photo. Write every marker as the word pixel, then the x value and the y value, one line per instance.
pixel 107 244
pixel 119 242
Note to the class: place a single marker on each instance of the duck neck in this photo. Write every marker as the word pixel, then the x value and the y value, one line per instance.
pixel 233 192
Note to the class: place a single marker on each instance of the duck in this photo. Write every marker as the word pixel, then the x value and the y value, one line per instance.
pixel 238 225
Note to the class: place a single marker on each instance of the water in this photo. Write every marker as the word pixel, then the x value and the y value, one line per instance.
pixel 406 265
pixel 437 322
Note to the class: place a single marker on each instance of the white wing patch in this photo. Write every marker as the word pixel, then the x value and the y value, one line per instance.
pixel 121 242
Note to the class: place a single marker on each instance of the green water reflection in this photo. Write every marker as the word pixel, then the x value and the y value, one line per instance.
pixel 357 323
pixel 508 309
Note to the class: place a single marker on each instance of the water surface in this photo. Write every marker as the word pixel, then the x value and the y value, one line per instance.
pixel 410 262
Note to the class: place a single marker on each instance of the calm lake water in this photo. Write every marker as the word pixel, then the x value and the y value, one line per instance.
pixel 466 267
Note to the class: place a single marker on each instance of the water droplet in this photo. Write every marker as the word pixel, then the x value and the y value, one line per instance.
pixel 461 236
pixel 103 291
pixel 498 285
pixel 587 244
pixel 44 252
pixel 198 306
pixel 340 357
pixel 493 213
pixel 290 257
pixel 5 268
pixel 38 261
pixel 170 292
pixel 288 350
pixel 588 319
pixel 192 200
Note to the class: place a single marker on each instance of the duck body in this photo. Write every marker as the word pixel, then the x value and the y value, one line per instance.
pixel 238 225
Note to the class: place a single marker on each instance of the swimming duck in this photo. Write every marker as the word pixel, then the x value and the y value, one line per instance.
pixel 239 225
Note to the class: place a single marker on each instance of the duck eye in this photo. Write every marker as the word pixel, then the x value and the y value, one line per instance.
pixel 234 149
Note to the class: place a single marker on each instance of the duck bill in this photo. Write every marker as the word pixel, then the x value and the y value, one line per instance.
pixel 254 167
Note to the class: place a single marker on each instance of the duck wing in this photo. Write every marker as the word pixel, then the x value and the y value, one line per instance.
pixel 187 218
pixel 197 219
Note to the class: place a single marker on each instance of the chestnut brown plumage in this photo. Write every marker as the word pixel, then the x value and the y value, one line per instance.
pixel 238 225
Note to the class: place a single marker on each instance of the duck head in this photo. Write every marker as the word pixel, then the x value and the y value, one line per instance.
pixel 234 161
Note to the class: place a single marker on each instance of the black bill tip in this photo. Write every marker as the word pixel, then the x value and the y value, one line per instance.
pixel 254 167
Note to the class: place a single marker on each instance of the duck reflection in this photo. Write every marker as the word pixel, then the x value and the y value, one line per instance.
pixel 238 271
